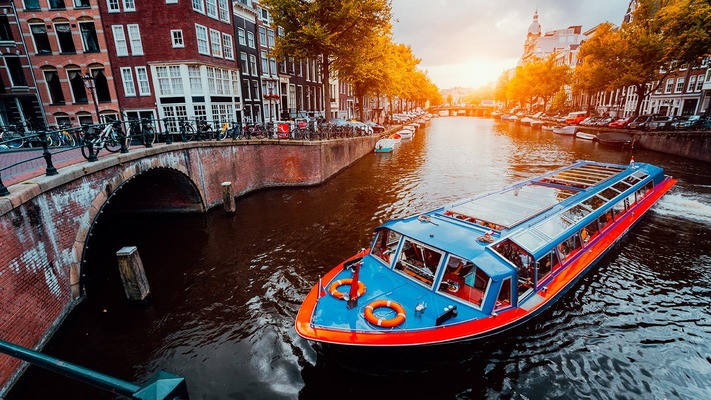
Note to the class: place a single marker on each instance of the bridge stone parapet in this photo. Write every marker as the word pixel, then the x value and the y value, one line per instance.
pixel 45 223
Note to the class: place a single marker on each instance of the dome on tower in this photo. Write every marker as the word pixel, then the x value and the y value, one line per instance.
pixel 535 27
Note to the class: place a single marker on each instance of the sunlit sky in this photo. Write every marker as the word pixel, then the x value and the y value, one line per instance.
pixel 470 42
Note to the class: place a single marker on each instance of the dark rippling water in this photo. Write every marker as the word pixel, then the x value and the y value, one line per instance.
pixel 226 289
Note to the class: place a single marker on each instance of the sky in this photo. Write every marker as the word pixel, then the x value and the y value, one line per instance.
pixel 471 42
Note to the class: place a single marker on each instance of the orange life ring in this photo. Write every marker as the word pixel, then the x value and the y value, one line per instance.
pixel 333 289
pixel 385 323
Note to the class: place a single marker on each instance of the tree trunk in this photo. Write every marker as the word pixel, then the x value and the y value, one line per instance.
pixel 640 98
pixel 326 77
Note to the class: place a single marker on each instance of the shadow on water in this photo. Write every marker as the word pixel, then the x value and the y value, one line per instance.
pixel 226 288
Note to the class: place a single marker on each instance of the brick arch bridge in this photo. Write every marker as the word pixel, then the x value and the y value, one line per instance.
pixel 45 223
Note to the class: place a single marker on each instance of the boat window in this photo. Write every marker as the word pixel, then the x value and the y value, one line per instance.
pixel 630 200
pixel 589 232
pixel 555 225
pixel 503 300
pixel 418 262
pixel 523 262
pixel 640 175
pixel 569 247
pixel 631 180
pixel 594 202
pixel 385 245
pixel 644 190
pixel 576 213
pixel 609 194
pixel 605 219
pixel 531 240
pixel 544 267
pixel 621 186
pixel 464 280
pixel 619 208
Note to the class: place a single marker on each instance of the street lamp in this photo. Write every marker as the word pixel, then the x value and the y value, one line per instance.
pixel 89 82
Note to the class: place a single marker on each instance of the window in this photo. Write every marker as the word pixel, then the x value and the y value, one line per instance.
pixel 200 112
pixel 235 82
pixel 82 3
pixel 605 220
pixel 463 280
pixel 129 5
pixel 129 88
pixel 589 232
pixel 569 247
pixel 250 39
pixel 56 4
pixel 64 38
pixel 134 36
pixel 120 40
pixel 144 87
pixel 255 90
pixel 265 62
pixel 253 64
pixel 243 63
pixel 240 36
pixel 32 5
pixel 211 8
pixel 385 245
pixel 222 113
pixel 262 36
pixel 177 37
pixel 201 32
pixel 113 6
pixel 679 85
pixel 169 80
pixel 692 83
pixel 172 115
pixel 544 266
pixel 88 37
pixel 670 85
pixel 272 65
pixel 101 85
pixel 77 85
pixel 700 82
pixel 199 6
pixel 418 262
pixel 228 50
pixel 54 86
pixel 225 11
pixel 270 38
pixel 216 42
pixel 503 300
pixel 195 79
pixel 245 89
pixel 5 31
pixel 39 35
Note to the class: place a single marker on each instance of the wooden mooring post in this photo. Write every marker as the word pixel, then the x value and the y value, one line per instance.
pixel 135 283
pixel 228 197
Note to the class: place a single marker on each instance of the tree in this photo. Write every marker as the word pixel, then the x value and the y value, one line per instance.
pixel 327 30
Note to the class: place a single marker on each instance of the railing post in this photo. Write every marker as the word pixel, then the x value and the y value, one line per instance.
pixel 3 189
pixel 89 132
pixel 123 136
pixel 168 136
pixel 182 121
pixel 146 139
pixel 47 155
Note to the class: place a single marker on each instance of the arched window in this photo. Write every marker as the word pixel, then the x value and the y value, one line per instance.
pixel 56 95
pixel 101 84
pixel 77 85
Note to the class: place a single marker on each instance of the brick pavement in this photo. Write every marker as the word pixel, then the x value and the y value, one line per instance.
pixel 35 164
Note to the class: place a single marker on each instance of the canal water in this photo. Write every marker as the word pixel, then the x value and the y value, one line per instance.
pixel 226 288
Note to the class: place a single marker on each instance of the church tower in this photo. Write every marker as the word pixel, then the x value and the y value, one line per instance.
pixel 534 32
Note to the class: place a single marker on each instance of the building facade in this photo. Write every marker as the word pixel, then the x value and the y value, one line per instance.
pixel 245 22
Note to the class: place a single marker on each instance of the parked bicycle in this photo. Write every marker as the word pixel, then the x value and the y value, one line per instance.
pixel 61 137
pixel 142 131
pixel 12 137
pixel 110 136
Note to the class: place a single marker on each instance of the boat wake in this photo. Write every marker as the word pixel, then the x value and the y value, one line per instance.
pixel 685 207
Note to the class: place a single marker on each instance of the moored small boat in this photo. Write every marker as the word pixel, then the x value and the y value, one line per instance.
pixel 385 145
pixel 616 139
pixel 536 124
pixel 406 133
pixel 566 130
pixel 480 266
pixel 585 136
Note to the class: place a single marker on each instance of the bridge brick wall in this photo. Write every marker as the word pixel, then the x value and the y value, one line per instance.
pixel 45 223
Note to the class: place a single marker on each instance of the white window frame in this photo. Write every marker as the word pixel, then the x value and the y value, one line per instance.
pixel 692 84
pixel 250 40
pixel 679 87
pixel 700 81
pixel 223 9
pixel 670 85
pixel 199 6
pixel 144 85
pixel 211 9
pixel 134 38
pixel 206 41
pixel 177 38
pixel 216 43
pixel 129 86
pixel 119 39
pixel 253 66
pixel 113 6
pixel 228 49
pixel 129 5
pixel 242 36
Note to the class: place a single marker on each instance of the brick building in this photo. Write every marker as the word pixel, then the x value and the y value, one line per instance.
pixel 19 100
pixel 245 22
pixel 67 46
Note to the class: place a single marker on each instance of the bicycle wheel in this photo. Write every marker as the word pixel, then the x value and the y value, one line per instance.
pixel 222 133
pixel 113 140
pixel 68 139
pixel 85 151
pixel 189 132
pixel 13 140
pixel 149 136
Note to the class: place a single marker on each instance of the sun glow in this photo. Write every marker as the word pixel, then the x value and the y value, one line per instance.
pixel 472 73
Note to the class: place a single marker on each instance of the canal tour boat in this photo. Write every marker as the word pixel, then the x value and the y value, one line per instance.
pixel 480 266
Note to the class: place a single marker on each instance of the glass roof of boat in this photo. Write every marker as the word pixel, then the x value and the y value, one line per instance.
pixel 583 176
pixel 511 207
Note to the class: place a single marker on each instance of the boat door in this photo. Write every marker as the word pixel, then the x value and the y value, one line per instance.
pixel 523 262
